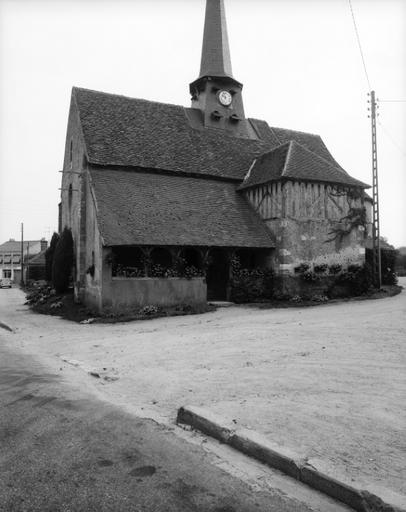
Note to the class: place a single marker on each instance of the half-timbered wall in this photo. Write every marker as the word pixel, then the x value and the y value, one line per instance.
pixel 302 216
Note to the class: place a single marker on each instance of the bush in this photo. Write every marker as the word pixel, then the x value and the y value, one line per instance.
pixel 302 268
pixel 309 276
pixel 296 298
pixel 358 279
pixel 319 298
pixel 63 261
pixel 49 257
pixel 388 263
pixel 251 285
pixel 149 310
pixel 321 269
pixel 335 268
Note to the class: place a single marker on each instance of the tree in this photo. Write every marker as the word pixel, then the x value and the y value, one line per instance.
pixel 49 257
pixel 63 261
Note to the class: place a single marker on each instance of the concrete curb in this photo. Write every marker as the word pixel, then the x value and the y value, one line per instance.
pixel 259 447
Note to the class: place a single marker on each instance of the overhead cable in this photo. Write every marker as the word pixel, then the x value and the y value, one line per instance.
pixel 359 46
pixel 394 142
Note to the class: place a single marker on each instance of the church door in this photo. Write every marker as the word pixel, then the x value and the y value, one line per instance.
pixel 217 275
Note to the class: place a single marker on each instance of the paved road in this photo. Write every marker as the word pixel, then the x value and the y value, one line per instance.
pixel 61 450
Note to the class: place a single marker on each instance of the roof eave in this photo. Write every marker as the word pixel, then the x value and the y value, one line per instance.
pixel 196 84
pixel 248 186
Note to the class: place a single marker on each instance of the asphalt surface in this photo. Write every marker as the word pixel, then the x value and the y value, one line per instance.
pixel 63 451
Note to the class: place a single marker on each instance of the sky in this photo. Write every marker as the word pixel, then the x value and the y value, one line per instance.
pixel 299 62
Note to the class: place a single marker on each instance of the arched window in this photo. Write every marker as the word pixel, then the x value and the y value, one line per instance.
pixel 128 262
pixel 160 262
pixel 191 258
pixel 246 258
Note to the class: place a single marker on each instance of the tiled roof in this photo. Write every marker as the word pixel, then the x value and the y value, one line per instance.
pixel 135 208
pixel 292 160
pixel 37 259
pixel 121 131
pixel 130 132
pixel 310 141
pixel 15 246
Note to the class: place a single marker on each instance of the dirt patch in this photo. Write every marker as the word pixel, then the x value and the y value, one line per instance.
pixel 327 382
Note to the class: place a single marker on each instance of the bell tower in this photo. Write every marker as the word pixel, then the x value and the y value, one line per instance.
pixel 216 93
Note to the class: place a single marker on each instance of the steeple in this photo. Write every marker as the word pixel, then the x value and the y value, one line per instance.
pixel 216 93
pixel 216 60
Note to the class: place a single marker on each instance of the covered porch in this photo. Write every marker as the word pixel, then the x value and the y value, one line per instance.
pixel 168 275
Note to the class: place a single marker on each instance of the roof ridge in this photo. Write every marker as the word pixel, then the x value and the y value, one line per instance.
pixel 297 131
pixel 325 162
pixel 287 158
pixel 143 100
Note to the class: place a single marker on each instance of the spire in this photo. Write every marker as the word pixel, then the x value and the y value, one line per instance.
pixel 216 59
pixel 216 93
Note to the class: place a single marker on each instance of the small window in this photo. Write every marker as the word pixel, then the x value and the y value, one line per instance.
pixel 7 274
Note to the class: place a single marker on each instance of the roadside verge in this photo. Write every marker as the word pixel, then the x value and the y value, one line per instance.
pixel 259 447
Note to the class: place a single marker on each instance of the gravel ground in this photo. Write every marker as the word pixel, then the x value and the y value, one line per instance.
pixel 328 382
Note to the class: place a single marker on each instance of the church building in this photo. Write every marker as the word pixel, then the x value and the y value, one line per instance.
pixel 161 198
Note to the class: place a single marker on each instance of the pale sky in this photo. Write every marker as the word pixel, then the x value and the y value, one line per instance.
pixel 298 60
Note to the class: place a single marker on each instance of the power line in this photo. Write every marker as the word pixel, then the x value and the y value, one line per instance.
pixel 392 101
pixel 391 138
pixel 359 46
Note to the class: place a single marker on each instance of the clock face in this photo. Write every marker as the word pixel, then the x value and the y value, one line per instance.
pixel 225 98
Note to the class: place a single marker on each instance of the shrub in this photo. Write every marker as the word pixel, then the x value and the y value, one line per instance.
pixel 157 270
pixel 388 262
pixel 192 271
pixel 389 277
pixel 321 269
pixel 296 298
pixel 149 310
pixel 309 276
pixel 300 269
pixel 335 268
pixel 49 257
pixel 123 271
pixel 358 279
pixel 248 285
pixel 171 272
pixel 319 298
pixel 63 261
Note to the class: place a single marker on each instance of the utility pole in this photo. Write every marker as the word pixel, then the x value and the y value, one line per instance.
pixel 22 255
pixel 376 245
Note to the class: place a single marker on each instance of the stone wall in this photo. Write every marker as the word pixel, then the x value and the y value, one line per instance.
pixel 90 290
pixel 121 294
pixel 73 195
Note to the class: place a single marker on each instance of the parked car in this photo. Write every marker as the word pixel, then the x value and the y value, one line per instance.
pixel 5 282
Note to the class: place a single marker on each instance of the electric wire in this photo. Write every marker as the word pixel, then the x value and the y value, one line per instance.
pixel 359 45
pixel 394 142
